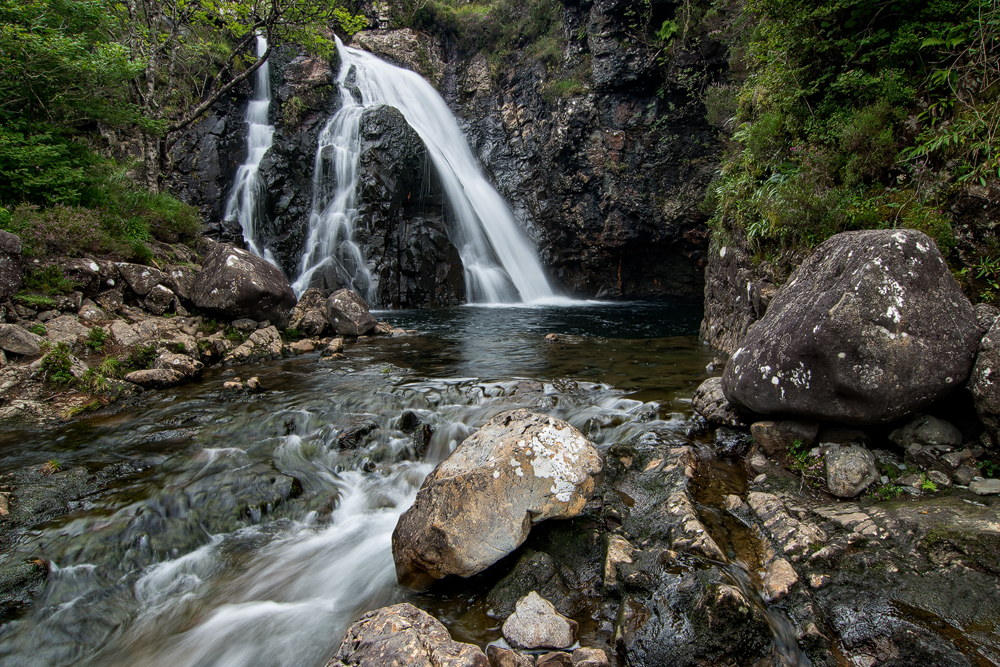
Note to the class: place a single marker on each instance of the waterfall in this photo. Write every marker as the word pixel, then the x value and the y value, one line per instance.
pixel 245 201
pixel 499 262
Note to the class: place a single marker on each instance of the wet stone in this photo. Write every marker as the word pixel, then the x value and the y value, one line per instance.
pixel 505 657
pixel 536 624
pixel 985 487
pixel 555 659
pixel 732 443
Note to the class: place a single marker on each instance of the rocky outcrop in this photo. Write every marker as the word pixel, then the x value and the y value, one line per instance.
pixel 870 328
pixel 737 294
pixel 403 635
pixel 11 272
pixel 309 314
pixel 262 345
pixel 480 503
pixel 348 314
pixel 234 283
pixel 401 220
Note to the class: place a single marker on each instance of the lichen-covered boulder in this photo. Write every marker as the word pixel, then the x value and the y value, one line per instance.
pixel 17 340
pixel 309 314
pixel 403 636
pixel 710 402
pixel 11 273
pixel 479 504
pixel 850 469
pixel 156 378
pixel 141 279
pixel 234 283
pixel 262 345
pixel 536 624
pixel 870 328
pixel 348 314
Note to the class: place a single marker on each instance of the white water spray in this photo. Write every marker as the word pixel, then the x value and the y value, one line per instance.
pixel 499 262
pixel 245 201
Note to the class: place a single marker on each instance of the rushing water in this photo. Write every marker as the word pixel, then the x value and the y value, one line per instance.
pixel 245 204
pixel 209 554
pixel 499 262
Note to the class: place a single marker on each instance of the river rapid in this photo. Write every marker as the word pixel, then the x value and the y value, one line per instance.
pixel 252 530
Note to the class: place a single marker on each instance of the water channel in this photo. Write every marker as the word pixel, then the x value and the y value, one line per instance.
pixel 246 535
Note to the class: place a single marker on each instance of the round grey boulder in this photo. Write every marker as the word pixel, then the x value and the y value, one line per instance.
pixel 536 624
pixel 849 470
pixel 870 328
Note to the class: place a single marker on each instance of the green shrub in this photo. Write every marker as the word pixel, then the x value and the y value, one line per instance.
pixel 140 357
pixel 56 365
pixel 34 301
pixel 49 280
pixel 37 329
pixel 96 339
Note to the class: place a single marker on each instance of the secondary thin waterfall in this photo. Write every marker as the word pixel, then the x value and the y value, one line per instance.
pixel 499 262
pixel 245 201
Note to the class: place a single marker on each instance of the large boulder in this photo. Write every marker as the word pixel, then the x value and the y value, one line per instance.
pixel 870 328
pixel 985 381
pixel 348 314
pixel 402 635
pixel 234 283
pixel 536 624
pixel 11 271
pixel 18 340
pixel 479 504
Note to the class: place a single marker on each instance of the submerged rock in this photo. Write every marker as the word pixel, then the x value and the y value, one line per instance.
pixel 479 504
pixel 403 635
pixel 870 328
pixel 233 283
pixel 536 624
pixel 348 314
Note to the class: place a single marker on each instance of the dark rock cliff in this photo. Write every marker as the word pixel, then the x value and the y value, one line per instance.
pixel 604 160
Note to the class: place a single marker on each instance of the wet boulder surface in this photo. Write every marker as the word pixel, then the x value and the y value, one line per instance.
pixel 401 216
pixel 234 283
pixel 870 328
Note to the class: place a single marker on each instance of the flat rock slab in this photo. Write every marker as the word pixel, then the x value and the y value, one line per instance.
pixel 985 487
pixel 536 624
pixel 65 329
pixel 17 340
pixel 870 328
pixel 403 636
pixel 156 378
pixel 479 504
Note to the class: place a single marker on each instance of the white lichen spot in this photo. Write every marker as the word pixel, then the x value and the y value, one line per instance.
pixel 496 474
pixel 555 457
pixel 900 237
pixel 841 355
pixel 94 266
pixel 775 381
pixel 232 261
pixel 893 313
pixel 722 253
pixel 921 247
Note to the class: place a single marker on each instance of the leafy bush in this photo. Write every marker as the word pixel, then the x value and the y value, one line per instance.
pixel 34 301
pixel 37 329
pixel 50 280
pixel 140 357
pixel 56 364
pixel 96 339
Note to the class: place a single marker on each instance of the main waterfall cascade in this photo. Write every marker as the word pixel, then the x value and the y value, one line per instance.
pixel 499 262
pixel 246 199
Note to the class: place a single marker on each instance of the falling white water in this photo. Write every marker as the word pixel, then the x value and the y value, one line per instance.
pixel 245 201
pixel 500 263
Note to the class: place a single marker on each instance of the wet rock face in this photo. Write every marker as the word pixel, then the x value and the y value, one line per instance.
pixel 480 503
pixel 985 381
pixel 403 635
pixel 348 314
pixel 401 219
pixel 234 283
pixel 871 327
pixel 710 402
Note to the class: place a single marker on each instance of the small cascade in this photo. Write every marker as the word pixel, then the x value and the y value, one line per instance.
pixel 247 197
pixel 499 262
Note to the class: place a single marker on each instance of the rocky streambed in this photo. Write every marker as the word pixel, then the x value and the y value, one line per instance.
pixel 201 526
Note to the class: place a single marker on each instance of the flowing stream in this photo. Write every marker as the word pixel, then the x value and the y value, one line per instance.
pixel 499 262
pixel 245 534
pixel 248 196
